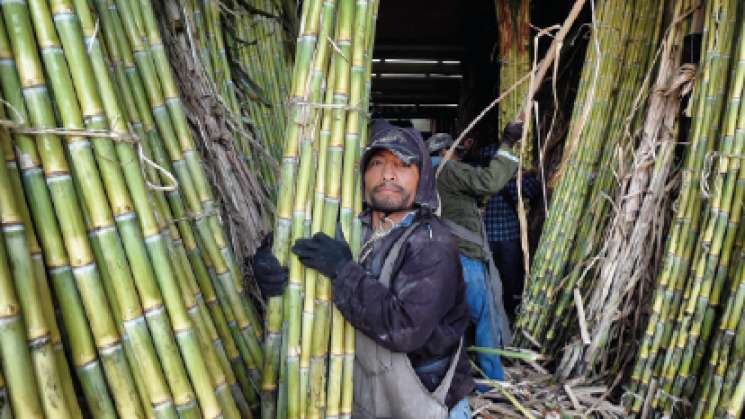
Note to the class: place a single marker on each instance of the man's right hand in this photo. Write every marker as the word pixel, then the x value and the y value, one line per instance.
pixel 513 132
pixel 270 275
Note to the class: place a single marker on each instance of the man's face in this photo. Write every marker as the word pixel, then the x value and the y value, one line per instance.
pixel 390 184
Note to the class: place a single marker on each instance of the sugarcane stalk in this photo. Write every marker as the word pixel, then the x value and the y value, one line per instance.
pixel 14 353
pixel 318 331
pixel 355 239
pixel 738 400
pixel 364 16
pixel 336 186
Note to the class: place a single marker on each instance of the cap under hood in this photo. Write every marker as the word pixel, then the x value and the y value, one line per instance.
pixel 440 141
pixel 407 144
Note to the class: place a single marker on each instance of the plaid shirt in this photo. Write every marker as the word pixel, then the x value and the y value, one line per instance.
pixel 500 217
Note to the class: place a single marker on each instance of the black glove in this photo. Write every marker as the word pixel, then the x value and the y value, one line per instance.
pixel 513 132
pixel 270 275
pixel 323 254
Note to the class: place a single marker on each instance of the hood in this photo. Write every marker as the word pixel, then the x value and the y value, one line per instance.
pixel 408 145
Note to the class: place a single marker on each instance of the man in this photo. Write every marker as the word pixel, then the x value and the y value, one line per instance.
pixel 406 296
pixel 460 186
pixel 503 231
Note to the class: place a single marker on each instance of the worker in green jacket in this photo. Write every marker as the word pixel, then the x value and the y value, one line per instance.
pixel 460 187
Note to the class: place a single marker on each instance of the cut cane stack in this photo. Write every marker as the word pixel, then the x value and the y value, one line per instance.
pixel 112 253
pixel 619 56
pixel 692 348
pixel 243 49
pixel 647 286
pixel 309 346
pixel 265 59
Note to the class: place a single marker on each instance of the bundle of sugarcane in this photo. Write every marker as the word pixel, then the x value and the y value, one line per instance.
pixel 643 202
pixel 720 388
pixel 202 19
pixel 619 56
pixel 243 191
pixel 259 43
pixel 513 21
pixel 309 346
pixel 220 34
pixel 697 302
pixel 142 275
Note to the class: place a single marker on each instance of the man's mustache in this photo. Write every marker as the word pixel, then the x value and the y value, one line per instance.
pixel 388 185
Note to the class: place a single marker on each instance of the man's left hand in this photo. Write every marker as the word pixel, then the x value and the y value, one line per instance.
pixel 323 254
pixel 270 275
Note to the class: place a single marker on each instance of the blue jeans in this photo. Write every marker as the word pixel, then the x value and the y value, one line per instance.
pixel 478 298
pixel 462 410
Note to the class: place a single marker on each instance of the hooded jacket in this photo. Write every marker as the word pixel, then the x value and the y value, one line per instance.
pixel 424 312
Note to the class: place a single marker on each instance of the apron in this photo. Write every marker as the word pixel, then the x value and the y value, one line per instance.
pixel 385 383
pixel 496 305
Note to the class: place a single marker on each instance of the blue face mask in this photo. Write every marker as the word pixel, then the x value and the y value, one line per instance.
pixel 436 160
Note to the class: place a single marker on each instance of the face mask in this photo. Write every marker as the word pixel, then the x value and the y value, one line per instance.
pixel 436 160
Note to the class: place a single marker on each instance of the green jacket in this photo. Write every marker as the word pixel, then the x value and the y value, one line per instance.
pixel 461 185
